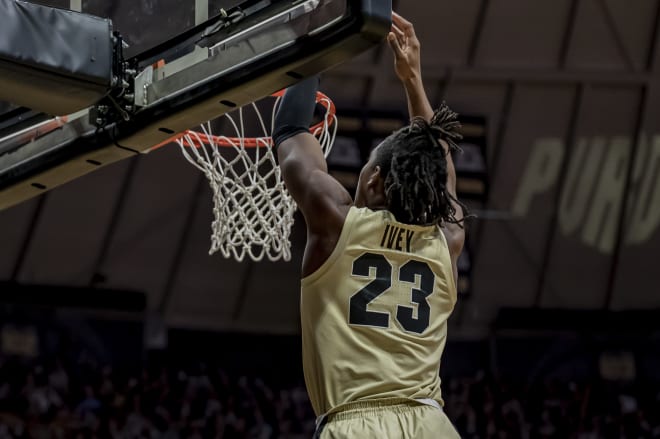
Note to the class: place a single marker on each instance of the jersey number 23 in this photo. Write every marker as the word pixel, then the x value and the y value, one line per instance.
pixel 360 315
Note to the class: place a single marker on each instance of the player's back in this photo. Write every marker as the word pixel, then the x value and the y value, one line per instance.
pixel 374 316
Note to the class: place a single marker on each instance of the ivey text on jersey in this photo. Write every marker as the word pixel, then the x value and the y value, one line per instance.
pixel 395 237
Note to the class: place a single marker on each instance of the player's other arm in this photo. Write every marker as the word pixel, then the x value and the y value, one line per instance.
pixel 322 200
pixel 407 63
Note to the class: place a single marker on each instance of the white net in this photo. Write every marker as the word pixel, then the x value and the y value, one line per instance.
pixel 253 211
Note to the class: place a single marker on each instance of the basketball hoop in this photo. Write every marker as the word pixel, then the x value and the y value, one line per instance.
pixel 253 211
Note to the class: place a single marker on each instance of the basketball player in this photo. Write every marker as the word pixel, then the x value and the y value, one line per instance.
pixel 379 272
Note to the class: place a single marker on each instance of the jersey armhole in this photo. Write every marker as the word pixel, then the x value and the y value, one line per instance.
pixel 445 248
pixel 337 251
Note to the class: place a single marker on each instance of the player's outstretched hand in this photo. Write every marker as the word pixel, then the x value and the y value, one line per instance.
pixel 406 49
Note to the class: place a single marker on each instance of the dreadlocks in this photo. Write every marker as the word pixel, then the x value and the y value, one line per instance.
pixel 414 166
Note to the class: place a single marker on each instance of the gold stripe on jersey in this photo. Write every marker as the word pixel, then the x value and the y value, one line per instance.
pixel 374 315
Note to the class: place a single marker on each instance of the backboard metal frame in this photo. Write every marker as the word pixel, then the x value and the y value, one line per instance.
pixel 214 72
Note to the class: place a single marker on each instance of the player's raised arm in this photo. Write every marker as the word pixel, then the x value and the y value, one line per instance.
pixel 323 200
pixel 407 65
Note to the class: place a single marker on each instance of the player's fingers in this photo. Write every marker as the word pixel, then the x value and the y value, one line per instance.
pixel 393 41
pixel 400 35
pixel 398 31
pixel 407 35
pixel 402 23
pixel 396 16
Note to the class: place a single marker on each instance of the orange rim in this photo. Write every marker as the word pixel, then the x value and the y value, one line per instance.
pixel 248 142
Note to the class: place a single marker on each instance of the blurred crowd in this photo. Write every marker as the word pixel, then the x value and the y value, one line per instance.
pixel 483 408
pixel 97 402
pixel 49 400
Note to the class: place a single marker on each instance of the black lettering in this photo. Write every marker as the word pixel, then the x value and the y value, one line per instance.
pixel 359 314
pixel 382 242
pixel 399 238
pixel 409 235
pixel 391 238
pixel 404 314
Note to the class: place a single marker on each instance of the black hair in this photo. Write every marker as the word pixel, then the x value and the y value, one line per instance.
pixel 413 164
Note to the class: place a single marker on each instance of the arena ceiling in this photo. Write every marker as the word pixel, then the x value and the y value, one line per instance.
pixel 570 94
